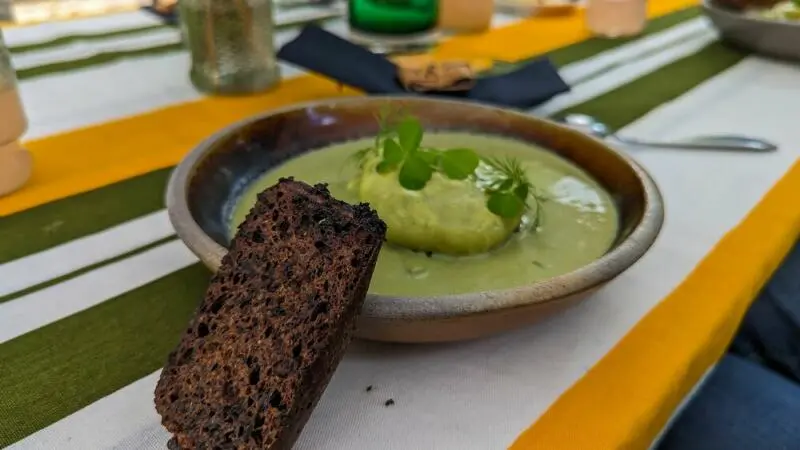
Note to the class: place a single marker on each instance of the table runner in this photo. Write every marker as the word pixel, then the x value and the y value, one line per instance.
pixel 144 150
pixel 69 337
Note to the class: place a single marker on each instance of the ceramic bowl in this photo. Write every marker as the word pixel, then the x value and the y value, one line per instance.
pixel 205 186
pixel 764 36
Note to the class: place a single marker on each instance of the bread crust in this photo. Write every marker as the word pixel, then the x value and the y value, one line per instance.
pixel 274 323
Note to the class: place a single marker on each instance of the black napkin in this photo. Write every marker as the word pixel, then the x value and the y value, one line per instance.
pixel 325 53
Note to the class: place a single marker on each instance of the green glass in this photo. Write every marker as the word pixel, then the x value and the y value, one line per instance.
pixel 393 17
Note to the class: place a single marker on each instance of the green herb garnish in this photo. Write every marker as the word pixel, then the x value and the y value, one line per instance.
pixel 399 146
pixel 508 187
pixel 459 163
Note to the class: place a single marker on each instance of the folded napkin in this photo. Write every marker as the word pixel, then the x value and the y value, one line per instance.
pixel 327 54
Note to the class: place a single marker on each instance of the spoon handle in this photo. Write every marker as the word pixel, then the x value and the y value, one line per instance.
pixel 715 142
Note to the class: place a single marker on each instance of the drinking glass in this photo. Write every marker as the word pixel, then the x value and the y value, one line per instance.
pixel 616 18
pixel 393 17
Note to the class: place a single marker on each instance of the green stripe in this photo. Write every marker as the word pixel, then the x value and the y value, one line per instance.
pixel 644 94
pixel 560 57
pixel 74 217
pixel 108 57
pixel 101 36
pixel 58 369
pixel 83 37
pixel 95 60
pixel 594 46
pixel 591 47
pixel 64 220
pixel 86 269
pixel 54 371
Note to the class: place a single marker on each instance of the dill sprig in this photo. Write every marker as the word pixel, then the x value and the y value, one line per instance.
pixel 507 186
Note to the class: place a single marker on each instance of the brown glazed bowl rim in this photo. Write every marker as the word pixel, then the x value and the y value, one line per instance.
pixel 585 278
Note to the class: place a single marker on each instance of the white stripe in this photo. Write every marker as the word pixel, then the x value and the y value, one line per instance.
pixel 515 377
pixel 80 98
pixel 579 71
pixel 128 416
pixel 75 99
pixel 592 88
pixel 35 310
pixel 35 34
pixel 82 49
pixel 624 74
pixel 85 49
pixel 606 81
pixel 572 73
pixel 61 260
pixel 166 36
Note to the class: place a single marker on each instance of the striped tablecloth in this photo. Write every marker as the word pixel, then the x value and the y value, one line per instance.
pixel 95 289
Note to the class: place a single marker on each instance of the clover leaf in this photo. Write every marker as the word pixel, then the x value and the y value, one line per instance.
pixel 409 133
pixel 459 163
pixel 506 189
pixel 505 204
pixel 415 173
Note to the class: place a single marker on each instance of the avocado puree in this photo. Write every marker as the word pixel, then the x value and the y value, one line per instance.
pixel 447 216
pixel 575 223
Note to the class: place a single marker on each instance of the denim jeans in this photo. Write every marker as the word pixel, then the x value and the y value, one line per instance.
pixel 770 332
pixel 751 401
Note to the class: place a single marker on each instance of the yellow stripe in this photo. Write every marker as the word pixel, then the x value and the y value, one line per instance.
pixel 86 159
pixel 89 158
pixel 627 398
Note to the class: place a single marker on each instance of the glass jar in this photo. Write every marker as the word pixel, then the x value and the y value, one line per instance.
pixel 231 45
pixel 393 17
pixel 15 162
pixel 616 18
pixel 466 16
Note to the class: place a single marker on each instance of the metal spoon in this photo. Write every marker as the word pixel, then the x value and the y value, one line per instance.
pixel 711 142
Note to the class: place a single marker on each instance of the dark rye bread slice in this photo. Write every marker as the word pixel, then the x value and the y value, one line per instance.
pixel 274 322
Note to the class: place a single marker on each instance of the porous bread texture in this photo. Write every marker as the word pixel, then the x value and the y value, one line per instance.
pixel 274 322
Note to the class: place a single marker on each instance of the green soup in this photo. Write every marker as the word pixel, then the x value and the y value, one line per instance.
pixel 576 223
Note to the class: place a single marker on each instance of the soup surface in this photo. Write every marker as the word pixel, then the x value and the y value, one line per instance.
pixel 576 221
